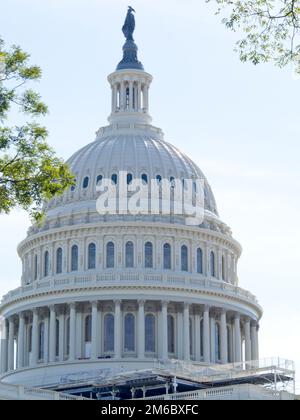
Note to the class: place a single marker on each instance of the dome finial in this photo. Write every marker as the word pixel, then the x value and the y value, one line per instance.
pixel 130 59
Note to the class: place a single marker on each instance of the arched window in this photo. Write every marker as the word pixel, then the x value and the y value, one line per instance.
pixel 171 334
pixel 184 258
pixel 46 264
pixel 150 333
pixel 223 267
pixel 74 258
pixel 110 255
pixel 148 255
pixel 212 264
pixel 92 256
pixel 99 179
pixel 218 342
pixel 129 333
pixel 167 256
pixel 59 260
pixel 114 179
pixel 57 338
pixel 158 179
pixel 88 329
pixel 35 269
pixel 199 261
pixel 68 336
pixel 144 178
pixel 109 333
pixel 41 341
pixel 129 178
pixel 129 255
pixel 73 187
pixel 85 183
pixel 30 339
pixel 201 338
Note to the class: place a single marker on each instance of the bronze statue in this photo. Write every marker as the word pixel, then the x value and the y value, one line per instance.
pixel 129 25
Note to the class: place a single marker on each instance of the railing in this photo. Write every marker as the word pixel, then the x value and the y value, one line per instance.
pixel 235 392
pixel 197 282
pixel 20 392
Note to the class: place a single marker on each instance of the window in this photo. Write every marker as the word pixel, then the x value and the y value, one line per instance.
pixel 73 187
pixel 199 261
pixel 129 179
pixel 218 342
pixel 85 183
pixel 74 258
pixel 57 338
pixel 191 336
pixel 150 333
pixel 158 179
pixel 46 264
pixel 223 268
pixel 114 179
pixel 68 336
pixel 59 260
pixel 41 341
pixel 229 344
pixel 110 255
pixel 184 258
pixel 167 256
pixel 212 264
pixel 171 334
pixel 129 333
pixel 129 255
pixel 201 338
pixel 92 256
pixel 148 255
pixel 109 333
pixel 144 178
pixel 88 329
pixel 35 269
pixel 99 179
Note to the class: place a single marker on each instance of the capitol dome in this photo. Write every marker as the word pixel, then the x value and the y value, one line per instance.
pixel 118 292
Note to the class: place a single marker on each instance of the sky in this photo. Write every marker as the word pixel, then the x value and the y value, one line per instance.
pixel 238 122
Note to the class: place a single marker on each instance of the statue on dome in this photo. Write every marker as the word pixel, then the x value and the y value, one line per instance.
pixel 129 25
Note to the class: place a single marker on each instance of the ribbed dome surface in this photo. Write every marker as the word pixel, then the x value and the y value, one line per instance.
pixel 137 154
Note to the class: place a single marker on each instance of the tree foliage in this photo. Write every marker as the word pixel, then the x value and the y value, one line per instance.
pixel 271 27
pixel 30 171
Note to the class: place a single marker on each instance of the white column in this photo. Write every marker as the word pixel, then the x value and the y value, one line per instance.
pixel 61 348
pixel 212 339
pixel 46 339
pixel 186 331
pixel 206 335
pixel 123 96
pixel 4 343
pixel 52 335
pixel 164 330
pixel 10 355
pixel 21 341
pixel 197 338
pixel 35 337
pixel 248 356
pixel 141 330
pixel 254 352
pixel 118 330
pixel 72 345
pixel 224 338
pixel 238 341
pixel 94 330
pixel 146 97
pixel 257 342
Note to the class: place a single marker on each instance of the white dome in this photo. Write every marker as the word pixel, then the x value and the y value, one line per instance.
pixel 137 152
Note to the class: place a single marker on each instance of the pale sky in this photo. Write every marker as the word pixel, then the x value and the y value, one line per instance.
pixel 238 122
